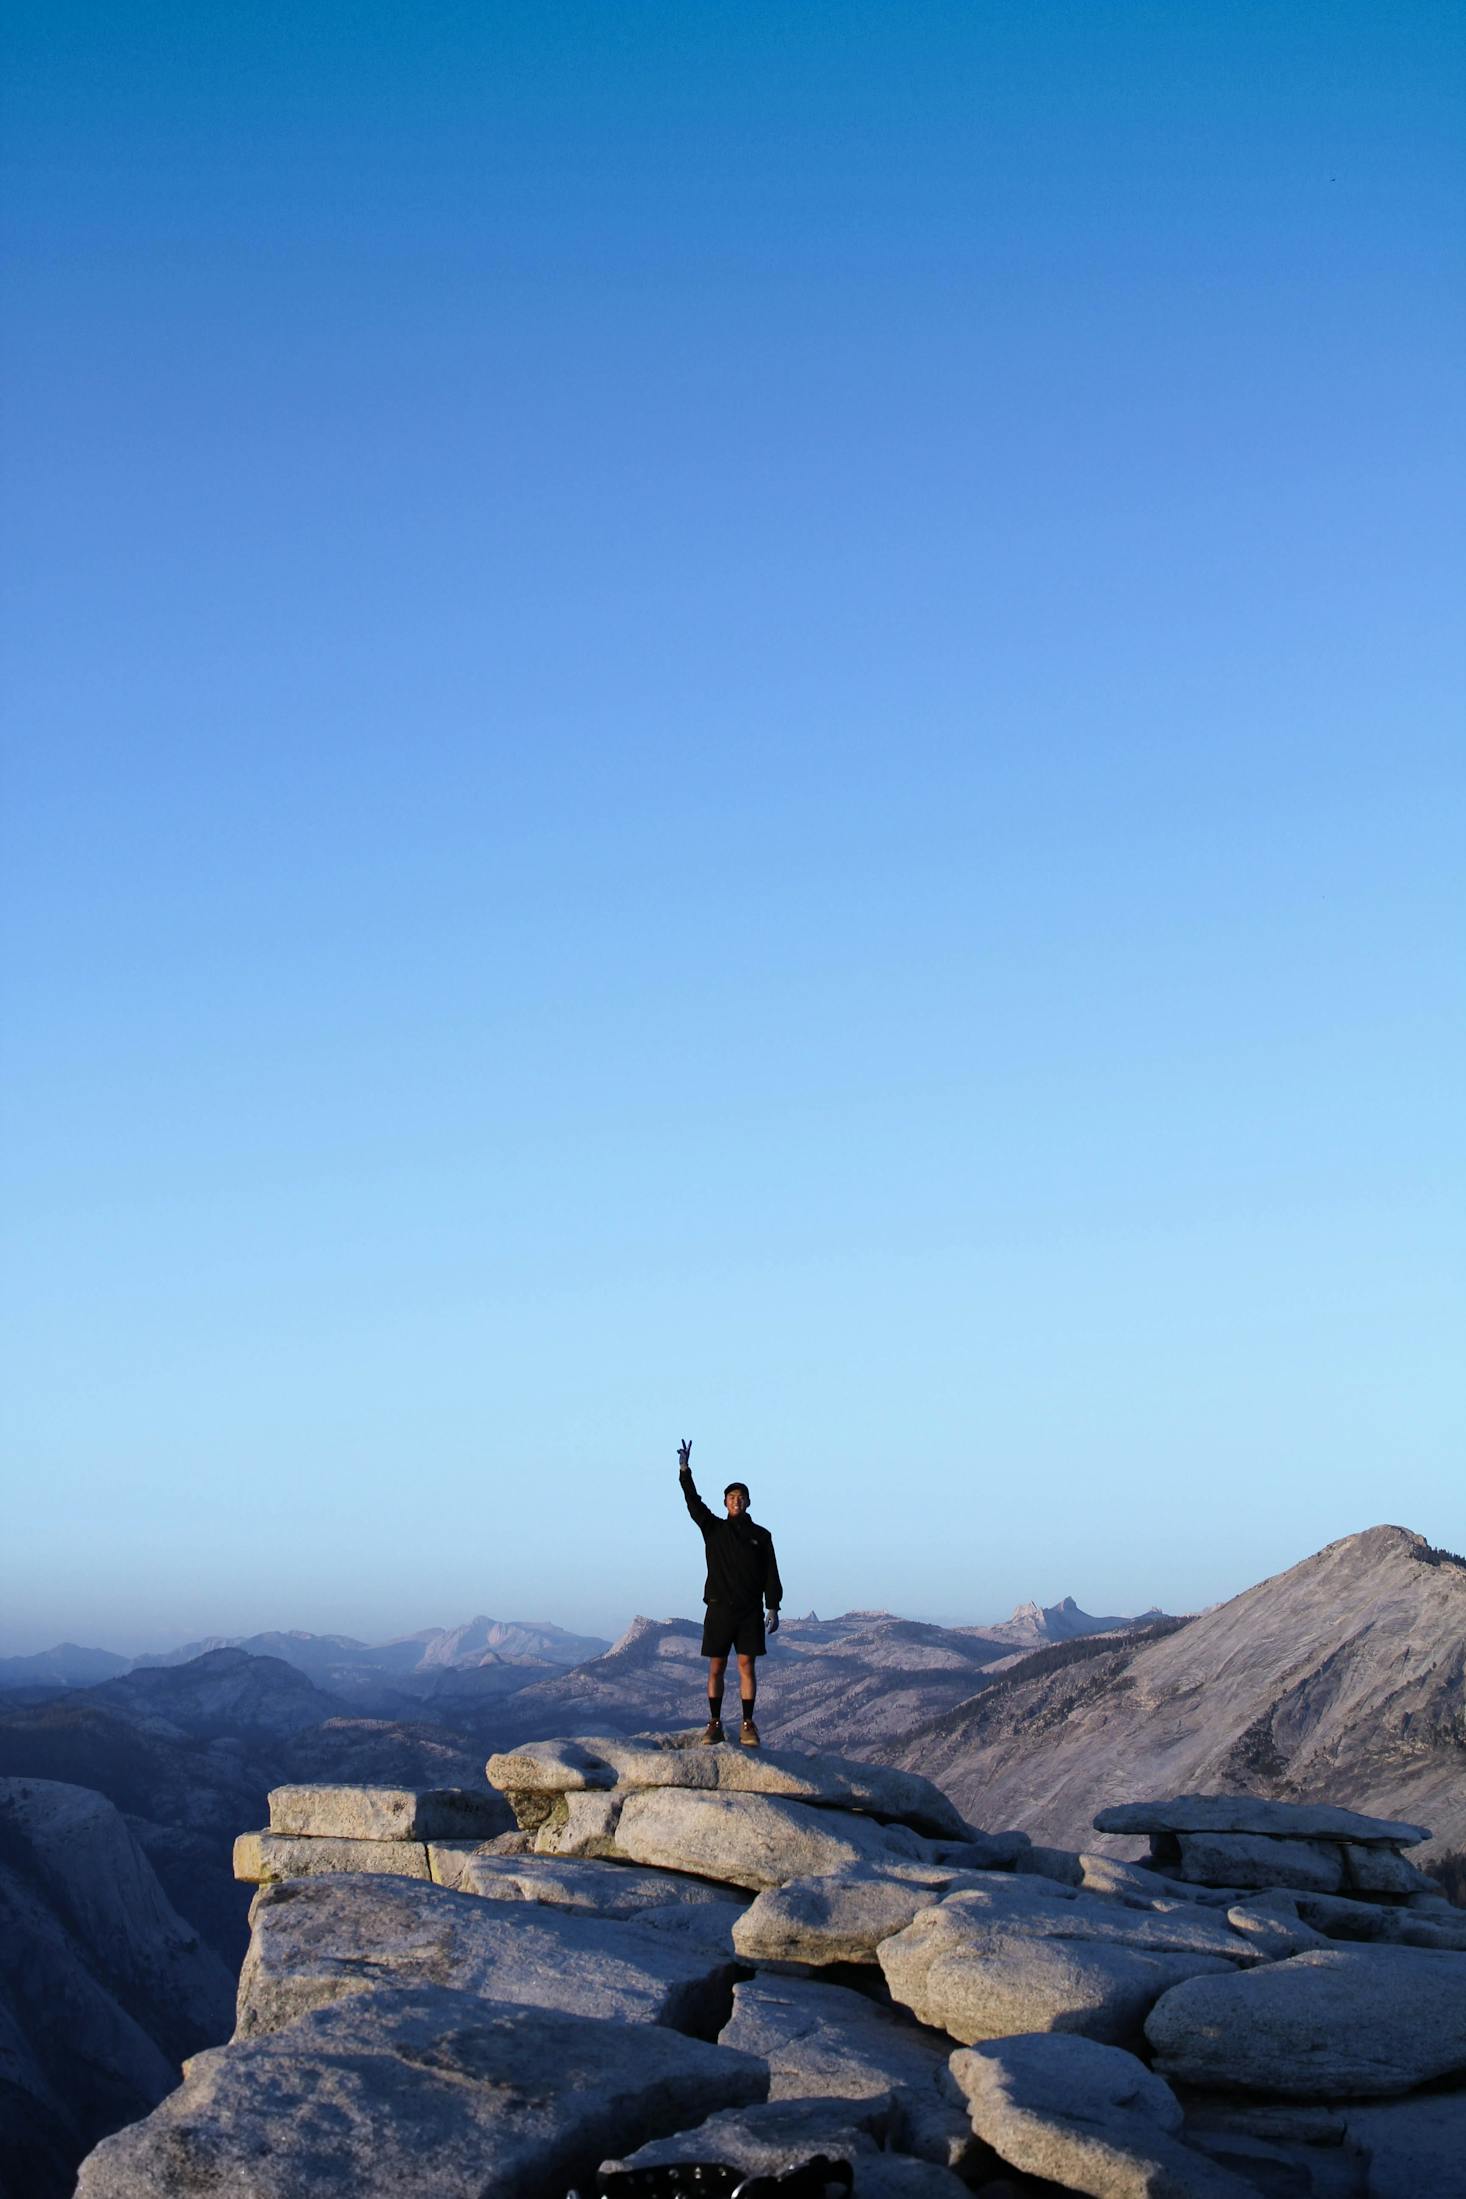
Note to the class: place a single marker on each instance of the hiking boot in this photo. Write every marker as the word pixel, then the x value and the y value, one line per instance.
pixel 748 1734
pixel 712 1733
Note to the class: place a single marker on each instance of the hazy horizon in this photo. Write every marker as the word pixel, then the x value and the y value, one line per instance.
pixel 726 722
pixel 163 1640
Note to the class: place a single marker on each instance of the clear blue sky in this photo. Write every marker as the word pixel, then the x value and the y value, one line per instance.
pixel 739 721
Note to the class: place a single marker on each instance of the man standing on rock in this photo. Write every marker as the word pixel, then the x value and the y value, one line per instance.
pixel 743 1576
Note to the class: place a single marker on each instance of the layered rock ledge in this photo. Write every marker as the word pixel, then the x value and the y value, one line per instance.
pixel 684 1955
pixel 1244 1841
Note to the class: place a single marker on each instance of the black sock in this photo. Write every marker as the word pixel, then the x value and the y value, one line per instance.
pixel 715 1707
pixel 748 1703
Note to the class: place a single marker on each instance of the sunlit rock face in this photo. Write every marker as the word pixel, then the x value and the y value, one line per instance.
pixel 1338 1682
pixel 771 1957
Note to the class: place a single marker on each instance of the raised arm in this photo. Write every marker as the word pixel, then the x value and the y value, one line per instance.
pixel 702 1517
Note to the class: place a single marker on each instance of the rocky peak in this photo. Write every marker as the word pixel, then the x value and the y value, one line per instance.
pixel 1341 1677
pixel 641 1633
pixel 224 1691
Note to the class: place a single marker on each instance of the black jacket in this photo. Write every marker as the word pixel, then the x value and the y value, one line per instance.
pixel 742 1568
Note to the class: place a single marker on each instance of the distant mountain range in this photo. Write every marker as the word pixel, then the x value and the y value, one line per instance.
pixel 419 1664
pixel 187 1744
pixel 827 1682
pixel 483 1657
pixel 67 1665
pixel 1343 1679
pixel 1034 1626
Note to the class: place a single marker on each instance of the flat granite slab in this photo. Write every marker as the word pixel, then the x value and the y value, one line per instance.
pixel 396 2092
pixel 983 1969
pixel 752 1840
pixel 832 1916
pixel 1256 1861
pixel 599 1889
pixel 387 1813
pixel 1337 2024
pixel 317 1940
pixel 602 1762
pixel 1250 1813
pixel 260 1858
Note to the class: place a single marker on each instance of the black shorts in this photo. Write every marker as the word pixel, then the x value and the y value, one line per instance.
pixel 723 1629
